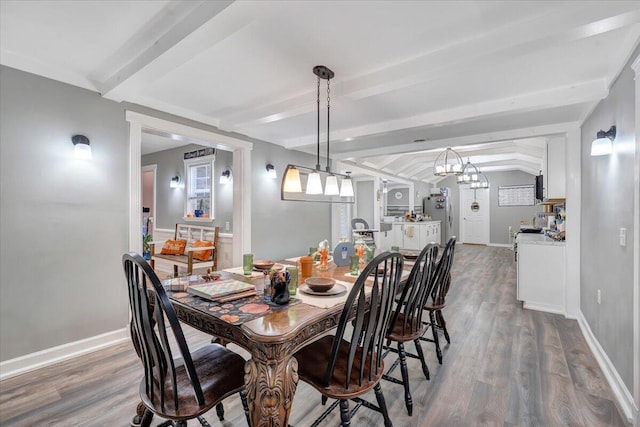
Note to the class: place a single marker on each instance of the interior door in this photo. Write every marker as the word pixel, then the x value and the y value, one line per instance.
pixel 474 217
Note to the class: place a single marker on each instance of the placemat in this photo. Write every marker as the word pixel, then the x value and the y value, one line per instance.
pixel 234 312
pixel 240 271
pixel 328 301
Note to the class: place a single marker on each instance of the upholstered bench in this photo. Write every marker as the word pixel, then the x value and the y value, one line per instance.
pixel 193 247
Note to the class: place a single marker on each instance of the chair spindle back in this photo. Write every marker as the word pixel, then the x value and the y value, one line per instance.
pixel 371 319
pixel 149 305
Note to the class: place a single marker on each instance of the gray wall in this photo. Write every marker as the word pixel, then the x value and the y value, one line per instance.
pixel 365 205
pixel 283 229
pixel 64 223
pixel 170 201
pixel 607 206
pixel 501 217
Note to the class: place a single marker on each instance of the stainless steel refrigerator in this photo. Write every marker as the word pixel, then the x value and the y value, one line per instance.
pixel 438 207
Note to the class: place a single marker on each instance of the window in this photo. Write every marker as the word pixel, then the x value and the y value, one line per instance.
pixel 199 185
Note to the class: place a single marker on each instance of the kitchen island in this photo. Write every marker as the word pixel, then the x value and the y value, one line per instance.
pixel 410 235
pixel 541 273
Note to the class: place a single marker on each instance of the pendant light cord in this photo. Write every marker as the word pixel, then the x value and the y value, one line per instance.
pixel 318 130
pixel 328 115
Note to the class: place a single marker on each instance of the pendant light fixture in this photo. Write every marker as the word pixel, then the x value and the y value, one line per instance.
pixel 470 174
pixel 448 163
pixel 482 183
pixel 304 184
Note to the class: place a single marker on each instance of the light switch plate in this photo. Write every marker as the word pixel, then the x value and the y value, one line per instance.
pixel 623 237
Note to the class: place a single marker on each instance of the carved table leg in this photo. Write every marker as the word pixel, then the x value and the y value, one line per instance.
pixel 271 385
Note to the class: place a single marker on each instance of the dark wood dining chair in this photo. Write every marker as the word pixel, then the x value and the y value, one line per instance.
pixel 436 303
pixel 406 320
pixel 181 389
pixel 348 364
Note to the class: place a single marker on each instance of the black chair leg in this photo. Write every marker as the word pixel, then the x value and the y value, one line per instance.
pixel 344 413
pixel 408 401
pixel 435 336
pixel 425 368
pixel 383 405
pixel 324 400
pixel 203 422
pixel 443 325
pixel 145 421
pixel 220 411
pixel 245 406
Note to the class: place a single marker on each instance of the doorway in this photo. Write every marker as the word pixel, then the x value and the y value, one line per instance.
pixel 148 199
pixel 474 216
pixel 139 123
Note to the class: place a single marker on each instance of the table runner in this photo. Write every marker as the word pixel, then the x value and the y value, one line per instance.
pixel 234 312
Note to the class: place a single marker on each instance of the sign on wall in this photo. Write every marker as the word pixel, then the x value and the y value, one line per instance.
pixel 202 152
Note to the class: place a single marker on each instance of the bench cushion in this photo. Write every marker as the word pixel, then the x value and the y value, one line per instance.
pixel 173 247
pixel 202 255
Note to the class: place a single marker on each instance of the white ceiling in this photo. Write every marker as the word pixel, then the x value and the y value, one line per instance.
pixel 459 74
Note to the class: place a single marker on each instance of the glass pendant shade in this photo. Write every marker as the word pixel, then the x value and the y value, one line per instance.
pixel 331 186
pixel 599 147
pixel 470 174
pixel 314 185
pixel 347 188
pixel 483 182
pixel 603 144
pixel 448 163
pixel 292 181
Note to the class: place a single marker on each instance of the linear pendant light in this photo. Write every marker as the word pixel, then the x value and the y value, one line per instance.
pixel 305 184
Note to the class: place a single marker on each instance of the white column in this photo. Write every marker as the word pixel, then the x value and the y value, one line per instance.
pixel 241 204
pixel 573 226
pixel 636 251
pixel 135 180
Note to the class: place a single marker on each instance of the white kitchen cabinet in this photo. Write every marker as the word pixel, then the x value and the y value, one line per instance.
pixel 554 168
pixel 385 240
pixel 411 236
pixel 541 273
pixel 415 235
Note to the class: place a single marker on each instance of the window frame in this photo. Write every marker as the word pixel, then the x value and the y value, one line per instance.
pixel 188 164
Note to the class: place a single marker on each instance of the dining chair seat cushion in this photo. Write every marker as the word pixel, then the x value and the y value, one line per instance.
pixel 399 332
pixel 312 368
pixel 221 373
pixel 433 306
pixel 173 247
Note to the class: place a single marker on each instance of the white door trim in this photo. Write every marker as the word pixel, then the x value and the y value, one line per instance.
pixel 154 169
pixel 636 251
pixel 241 176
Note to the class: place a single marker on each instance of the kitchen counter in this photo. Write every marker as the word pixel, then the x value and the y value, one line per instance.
pixel 541 272
pixel 537 239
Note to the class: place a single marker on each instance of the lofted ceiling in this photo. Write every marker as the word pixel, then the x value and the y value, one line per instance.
pixel 493 79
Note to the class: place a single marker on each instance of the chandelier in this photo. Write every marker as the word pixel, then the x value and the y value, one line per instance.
pixel 470 174
pixel 305 184
pixel 448 163
pixel 482 183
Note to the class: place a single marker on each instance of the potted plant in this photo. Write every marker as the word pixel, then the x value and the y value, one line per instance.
pixel 198 212
pixel 146 246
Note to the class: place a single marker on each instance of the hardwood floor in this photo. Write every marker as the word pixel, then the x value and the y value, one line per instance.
pixel 505 366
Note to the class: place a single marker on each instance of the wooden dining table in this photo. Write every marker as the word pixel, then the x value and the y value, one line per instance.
pixel 271 374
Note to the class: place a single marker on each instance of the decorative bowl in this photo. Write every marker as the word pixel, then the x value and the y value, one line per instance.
pixel 410 255
pixel 263 264
pixel 319 284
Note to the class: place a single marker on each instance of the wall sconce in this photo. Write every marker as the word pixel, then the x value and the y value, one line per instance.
pixel 175 181
pixel 226 176
pixel 603 144
pixel 271 171
pixel 82 149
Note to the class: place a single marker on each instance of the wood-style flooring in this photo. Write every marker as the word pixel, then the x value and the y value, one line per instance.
pixel 505 366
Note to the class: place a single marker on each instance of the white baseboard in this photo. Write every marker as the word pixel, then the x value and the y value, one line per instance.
pixel 555 309
pixel 620 390
pixel 20 365
pixel 500 245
